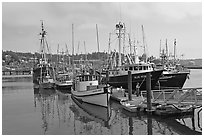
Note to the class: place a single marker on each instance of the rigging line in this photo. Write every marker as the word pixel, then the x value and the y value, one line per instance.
pixel 48 50
pixel 113 40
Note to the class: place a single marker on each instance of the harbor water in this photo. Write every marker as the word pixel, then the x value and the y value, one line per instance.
pixel 26 111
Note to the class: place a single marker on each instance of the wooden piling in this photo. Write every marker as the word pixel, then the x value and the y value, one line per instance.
pixel 149 125
pixel 148 88
pixel 129 85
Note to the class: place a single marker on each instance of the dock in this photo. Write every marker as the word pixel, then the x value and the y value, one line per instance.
pixel 169 102
pixel 164 103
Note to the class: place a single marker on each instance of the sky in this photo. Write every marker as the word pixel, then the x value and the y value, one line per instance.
pixel 21 25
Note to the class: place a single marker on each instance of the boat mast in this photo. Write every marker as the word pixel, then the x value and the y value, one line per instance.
pixel 85 54
pixel 119 28
pixel 73 44
pixel 144 43
pixel 42 42
pixel 97 37
pixel 58 55
pixel 67 52
pixel 174 51
pixel 160 48
pixel 167 56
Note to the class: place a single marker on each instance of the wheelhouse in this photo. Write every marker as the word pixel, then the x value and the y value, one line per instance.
pixel 82 78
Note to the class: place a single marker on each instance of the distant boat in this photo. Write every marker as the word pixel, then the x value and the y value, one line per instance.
pixel 172 78
pixel 64 82
pixel 64 72
pixel 87 89
pixel 174 74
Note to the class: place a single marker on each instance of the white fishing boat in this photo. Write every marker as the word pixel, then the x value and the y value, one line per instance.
pixel 88 89
pixel 87 112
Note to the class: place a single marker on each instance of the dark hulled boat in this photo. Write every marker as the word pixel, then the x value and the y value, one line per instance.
pixel 43 72
pixel 174 74
pixel 170 79
pixel 119 78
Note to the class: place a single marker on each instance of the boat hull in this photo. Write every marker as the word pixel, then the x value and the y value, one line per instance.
pixel 122 80
pixel 172 80
pixel 37 73
pixel 63 86
pixel 93 112
pixel 97 96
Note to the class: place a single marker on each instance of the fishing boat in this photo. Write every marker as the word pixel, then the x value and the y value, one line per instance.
pixel 64 82
pixel 64 72
pixel 174 74
pixel 171 79
pixel 43 72
pixel 118 76
pixel 46 81
pixel 87 88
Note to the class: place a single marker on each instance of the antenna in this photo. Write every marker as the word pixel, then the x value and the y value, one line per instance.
pixel 174 51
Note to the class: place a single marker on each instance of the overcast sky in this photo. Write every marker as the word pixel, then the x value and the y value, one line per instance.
pixel 183 21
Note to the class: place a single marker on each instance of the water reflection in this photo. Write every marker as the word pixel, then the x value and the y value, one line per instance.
pixel 78 117
pixel 46 99
pixel 86 112
pixel 27 110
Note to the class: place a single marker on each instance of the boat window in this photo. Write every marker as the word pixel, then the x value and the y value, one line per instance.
pixel 83 78
pixel 135 68
pixel 126 69
pixel 140 67
pixel 130 68
pixel 90 78
pixel 80 79
pixel 86 78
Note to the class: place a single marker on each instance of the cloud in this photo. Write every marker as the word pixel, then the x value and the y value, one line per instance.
pixel 175 12
pixel 21 22
pixel 171 12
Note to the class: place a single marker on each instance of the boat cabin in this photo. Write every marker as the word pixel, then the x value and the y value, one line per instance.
pixel 132 67
pixel 86 82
